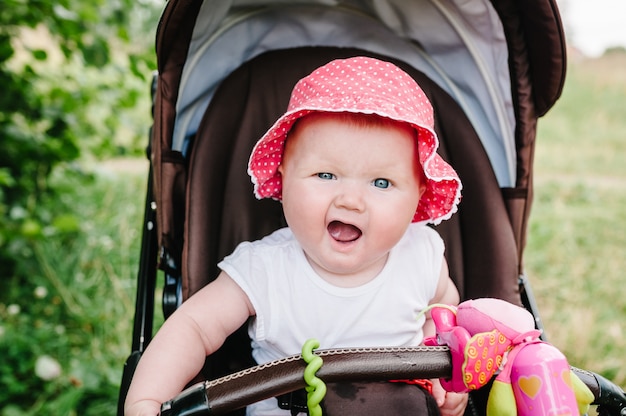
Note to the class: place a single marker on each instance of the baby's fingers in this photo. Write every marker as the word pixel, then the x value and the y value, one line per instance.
pixel 439 393
pixel 454 404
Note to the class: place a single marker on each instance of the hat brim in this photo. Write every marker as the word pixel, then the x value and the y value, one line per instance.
pixel 443 186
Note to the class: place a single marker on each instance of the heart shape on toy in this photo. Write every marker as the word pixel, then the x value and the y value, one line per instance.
pixel 566 375
pixel 530 386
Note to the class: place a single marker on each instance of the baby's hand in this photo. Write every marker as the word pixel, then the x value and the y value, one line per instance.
pixel 450 404
pixel 143 408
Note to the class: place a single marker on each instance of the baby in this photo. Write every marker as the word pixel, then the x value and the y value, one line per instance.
pixel 354 162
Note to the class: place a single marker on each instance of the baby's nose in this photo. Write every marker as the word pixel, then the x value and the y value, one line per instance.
pixel 350 197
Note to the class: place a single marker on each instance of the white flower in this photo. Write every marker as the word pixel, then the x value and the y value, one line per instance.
pixel 41 292
pixel 47 368
pixel 13 309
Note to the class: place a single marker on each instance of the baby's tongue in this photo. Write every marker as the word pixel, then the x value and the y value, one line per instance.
pixel 343 232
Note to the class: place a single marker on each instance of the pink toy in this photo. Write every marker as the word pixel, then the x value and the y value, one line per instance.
pixel 486 336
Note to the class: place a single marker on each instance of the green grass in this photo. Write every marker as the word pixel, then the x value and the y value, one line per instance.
pixel 78 305
pixel 576 252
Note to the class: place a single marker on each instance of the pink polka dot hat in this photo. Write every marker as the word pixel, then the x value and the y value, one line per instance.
pixel 368 86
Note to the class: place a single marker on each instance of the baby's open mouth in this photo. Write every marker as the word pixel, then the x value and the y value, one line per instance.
pixel 343 232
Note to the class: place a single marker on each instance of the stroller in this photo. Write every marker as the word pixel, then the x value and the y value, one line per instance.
pixel 225 73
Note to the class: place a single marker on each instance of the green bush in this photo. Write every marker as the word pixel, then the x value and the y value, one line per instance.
pixel 65 91
pixel 75 78
pixel 65 330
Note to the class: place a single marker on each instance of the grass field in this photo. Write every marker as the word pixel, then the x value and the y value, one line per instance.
pixel 79 304
pixel 65 332
pixel 576 253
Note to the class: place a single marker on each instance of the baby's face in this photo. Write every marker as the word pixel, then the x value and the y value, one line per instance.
pixel 350 191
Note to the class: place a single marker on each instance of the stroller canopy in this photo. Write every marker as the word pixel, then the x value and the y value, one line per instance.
pixel 475 50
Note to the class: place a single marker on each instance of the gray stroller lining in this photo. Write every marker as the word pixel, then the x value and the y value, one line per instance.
pixel 224 37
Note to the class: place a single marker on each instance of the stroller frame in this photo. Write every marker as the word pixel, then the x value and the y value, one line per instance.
pixel 532 35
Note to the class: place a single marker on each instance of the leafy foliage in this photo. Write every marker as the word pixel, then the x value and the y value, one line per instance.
pixel 71 73
pixel 65 330
pixel 75 86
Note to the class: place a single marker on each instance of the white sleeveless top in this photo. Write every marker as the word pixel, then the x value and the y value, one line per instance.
pixel 294 304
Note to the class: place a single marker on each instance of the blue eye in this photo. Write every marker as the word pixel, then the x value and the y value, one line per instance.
pixel 381 183
pixel 326 176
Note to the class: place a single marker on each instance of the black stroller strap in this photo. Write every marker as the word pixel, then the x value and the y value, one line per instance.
pixel 294 401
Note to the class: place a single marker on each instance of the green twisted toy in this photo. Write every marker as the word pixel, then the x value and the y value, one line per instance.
pixel 316 389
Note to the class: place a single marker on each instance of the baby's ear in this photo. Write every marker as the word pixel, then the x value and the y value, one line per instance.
pixel 422 188
pixel 423 180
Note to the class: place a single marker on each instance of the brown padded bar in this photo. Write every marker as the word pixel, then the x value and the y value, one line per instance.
pixel 283 376
pixel 226 394
pixel 222 210
pixel 235 391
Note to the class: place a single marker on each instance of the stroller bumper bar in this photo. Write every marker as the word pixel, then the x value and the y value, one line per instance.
pixel 272 379
pixel 610 399
pixel 235 391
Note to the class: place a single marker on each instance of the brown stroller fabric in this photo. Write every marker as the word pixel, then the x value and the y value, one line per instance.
pixel 221 210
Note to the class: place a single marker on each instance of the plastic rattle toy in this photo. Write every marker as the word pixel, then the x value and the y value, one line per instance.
pixel 490 337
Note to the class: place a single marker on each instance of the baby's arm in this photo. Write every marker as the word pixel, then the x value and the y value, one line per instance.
pixel 178 351
pixel 446 293
pixel 450 404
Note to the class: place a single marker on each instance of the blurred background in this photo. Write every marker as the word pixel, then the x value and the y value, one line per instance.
pixel 74 119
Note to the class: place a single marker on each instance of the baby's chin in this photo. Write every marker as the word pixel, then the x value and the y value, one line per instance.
pixel 344 272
